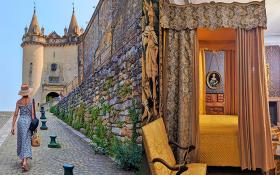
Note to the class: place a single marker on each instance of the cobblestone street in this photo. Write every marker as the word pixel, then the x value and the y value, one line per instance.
pixel 48 161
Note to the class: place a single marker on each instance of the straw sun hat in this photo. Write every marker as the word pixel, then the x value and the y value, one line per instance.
pixel 25 90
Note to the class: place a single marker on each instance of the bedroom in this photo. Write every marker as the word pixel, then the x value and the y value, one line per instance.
pixel 215 81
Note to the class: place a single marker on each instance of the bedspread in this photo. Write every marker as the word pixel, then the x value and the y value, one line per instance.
pixel 218 143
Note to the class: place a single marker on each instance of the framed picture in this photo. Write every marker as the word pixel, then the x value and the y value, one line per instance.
pixel 213 80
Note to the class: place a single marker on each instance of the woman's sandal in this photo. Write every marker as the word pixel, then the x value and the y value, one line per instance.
pixel 25 167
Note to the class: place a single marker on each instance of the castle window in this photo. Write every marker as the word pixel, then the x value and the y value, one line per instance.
pixel 53 67
pixel 53 79
pixel 30 74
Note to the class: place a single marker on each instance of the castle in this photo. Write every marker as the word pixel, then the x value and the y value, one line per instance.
pixel 49 61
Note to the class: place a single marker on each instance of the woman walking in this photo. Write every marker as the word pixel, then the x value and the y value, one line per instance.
pixel 26 113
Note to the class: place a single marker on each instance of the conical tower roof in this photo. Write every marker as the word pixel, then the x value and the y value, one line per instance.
pixel 34 27
pixel 73 28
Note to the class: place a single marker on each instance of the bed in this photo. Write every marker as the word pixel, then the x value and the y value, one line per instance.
pixel 218 142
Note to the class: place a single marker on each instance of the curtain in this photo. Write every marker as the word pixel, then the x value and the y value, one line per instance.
pixel 202 84
pixel 230 90
pixel 196 91
pixel 254 123
pixel 178 83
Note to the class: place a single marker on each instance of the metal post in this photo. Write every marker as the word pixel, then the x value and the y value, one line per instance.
pixel 43 116
pixel 68 169
pixel 53 143
pixel 44 126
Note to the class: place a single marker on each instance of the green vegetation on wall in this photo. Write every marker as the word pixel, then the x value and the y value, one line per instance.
pixel 127 153
pixel 101 134
pixel 124 90
pixel 108 84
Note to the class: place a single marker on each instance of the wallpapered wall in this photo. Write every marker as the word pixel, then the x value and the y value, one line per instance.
pixel 273 60
pixel 217 65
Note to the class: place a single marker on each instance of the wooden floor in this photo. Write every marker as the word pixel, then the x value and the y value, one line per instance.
pixel 231 171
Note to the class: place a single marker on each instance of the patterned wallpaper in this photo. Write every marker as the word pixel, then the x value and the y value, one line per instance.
pixel 273 60
pixel 217 65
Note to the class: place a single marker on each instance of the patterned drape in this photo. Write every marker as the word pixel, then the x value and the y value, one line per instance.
pixel 178 80
pixel 214 15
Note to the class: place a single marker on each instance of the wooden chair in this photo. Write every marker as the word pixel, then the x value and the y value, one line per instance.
pixel 160 156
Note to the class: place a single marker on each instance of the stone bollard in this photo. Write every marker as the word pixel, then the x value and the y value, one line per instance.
pixel 43 116
pixel 53 143
pixel 44 126
pixel 68 169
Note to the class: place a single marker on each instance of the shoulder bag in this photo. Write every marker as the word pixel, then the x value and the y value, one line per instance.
pixel 34 122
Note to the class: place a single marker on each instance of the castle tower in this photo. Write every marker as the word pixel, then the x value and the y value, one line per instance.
pixel 33 54
pixel 73 29
pixel 50 61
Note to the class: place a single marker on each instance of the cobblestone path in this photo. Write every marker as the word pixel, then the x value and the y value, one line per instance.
pixel 48 161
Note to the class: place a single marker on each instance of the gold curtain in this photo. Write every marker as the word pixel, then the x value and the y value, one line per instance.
pixel 177 85
pixel 231 87
pixel 254 123
pixel 202 84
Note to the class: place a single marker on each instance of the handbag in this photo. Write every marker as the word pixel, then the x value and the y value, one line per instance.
pixel 36 140
pixel 34 122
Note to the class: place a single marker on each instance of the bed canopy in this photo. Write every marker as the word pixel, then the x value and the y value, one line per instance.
pixel 180 85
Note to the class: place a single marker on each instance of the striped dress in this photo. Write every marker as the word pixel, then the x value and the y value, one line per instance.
pixel 23 133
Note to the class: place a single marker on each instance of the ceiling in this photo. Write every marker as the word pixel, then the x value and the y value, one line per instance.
pixel 272 9
pixel 223 34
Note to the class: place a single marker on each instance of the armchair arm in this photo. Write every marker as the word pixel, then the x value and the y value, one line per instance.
pixel 179 168
pixel 189 148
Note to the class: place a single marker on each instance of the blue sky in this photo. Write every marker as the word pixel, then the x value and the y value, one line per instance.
pixel 14 16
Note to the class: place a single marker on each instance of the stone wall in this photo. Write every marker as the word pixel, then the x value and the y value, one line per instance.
pixel 111 63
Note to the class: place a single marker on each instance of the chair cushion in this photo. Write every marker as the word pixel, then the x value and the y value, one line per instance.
pixel 156 146
pixel 195 169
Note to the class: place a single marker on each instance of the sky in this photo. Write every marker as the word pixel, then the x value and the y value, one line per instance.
pixel 14 16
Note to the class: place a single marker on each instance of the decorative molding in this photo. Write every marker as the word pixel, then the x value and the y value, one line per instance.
pixel 54 35
pixel 228 15
pixel 53 39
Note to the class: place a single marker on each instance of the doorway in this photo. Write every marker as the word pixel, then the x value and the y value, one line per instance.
pixel 51 96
